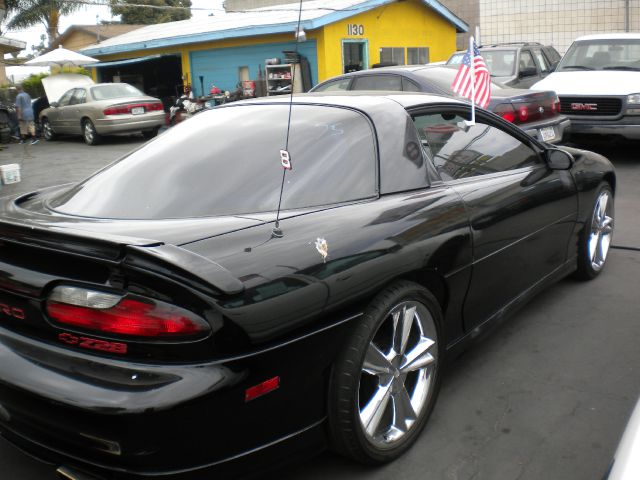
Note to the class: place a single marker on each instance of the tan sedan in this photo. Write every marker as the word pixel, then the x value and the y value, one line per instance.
pixel 102 109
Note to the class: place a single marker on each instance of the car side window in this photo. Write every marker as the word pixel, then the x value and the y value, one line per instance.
pixel 64 100
pixel 460 150
pixel 409 86
pixel 378 82
pixel 79 96
pixel 340 85
pixel 542 61
pixel 526 60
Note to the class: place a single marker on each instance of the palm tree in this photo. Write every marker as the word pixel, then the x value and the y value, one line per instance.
pixel 31 12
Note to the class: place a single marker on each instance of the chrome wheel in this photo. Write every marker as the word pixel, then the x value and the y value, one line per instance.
pixel 47 130
pixel 91 137
pixel 601 230
pixel 397 374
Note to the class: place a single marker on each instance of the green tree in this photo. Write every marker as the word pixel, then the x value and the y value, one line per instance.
pixel 27 13
pixel 145 16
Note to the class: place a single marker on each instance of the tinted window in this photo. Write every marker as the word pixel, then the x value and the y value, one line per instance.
pixel 378 82
pixel 501 63
pixel 440 79
pixel 542 61
pixel 461 151
pixel 409 86
pixel 227 161
pixel 64 99
pixel 79 96
pixel 526 60
pixel 114 90
pixel 336 85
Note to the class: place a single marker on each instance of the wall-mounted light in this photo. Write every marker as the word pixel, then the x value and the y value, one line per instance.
pixel 301 35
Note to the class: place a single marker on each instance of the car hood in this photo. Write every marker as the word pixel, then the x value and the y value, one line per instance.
pixel 599 82
pixel 56 85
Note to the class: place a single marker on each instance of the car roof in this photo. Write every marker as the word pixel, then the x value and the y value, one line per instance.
pixel 362 100
pixel 610 36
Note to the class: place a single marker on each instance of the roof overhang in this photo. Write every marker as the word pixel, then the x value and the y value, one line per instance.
pixel 9 45
pixel 117 63
pixel 269 29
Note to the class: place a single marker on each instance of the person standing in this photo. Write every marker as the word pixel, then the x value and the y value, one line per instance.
pixel 25 116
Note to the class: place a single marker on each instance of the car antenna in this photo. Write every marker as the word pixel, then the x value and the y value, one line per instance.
pixel 285 158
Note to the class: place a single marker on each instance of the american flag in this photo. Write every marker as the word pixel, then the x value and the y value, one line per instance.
pixel 462 83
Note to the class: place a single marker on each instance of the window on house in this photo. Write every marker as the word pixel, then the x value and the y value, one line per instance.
pixel 393 55
pixel 417 55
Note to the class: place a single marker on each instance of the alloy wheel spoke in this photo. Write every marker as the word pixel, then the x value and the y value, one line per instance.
pixel 419 356
pixel 593 245
pixel 602 204
pixel 402 328
pixel 375 362
pixel 607 225
pixel 403 413
pixel 373 411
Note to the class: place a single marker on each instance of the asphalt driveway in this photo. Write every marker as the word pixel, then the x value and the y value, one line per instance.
pixel 546 396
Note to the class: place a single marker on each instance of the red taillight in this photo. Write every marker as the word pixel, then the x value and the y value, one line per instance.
pixel 127 109
pixel 523 113
pixel 506 111
pixel 98 311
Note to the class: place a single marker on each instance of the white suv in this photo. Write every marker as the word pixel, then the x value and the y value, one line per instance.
pixel 598 82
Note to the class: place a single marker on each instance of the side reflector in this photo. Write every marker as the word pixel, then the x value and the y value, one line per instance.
pixel 263 388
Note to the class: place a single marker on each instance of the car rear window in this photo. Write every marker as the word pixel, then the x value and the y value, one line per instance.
pixel 114 90
pixel 226 161
pixel 442 78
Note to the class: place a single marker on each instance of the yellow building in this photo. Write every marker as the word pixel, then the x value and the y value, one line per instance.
pixel 332 36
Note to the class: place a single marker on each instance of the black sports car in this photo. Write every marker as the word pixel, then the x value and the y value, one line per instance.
pixel 537 113
pixel 157 320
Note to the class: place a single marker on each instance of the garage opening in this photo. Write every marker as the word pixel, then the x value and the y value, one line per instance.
pixel 156 75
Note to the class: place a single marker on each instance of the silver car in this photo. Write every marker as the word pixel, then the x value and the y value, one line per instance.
pixel 101 109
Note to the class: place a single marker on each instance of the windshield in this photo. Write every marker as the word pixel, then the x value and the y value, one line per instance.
pixel 442 79
pixel 609 54
pixel 226 161
pixel 114 90
pixel 501 63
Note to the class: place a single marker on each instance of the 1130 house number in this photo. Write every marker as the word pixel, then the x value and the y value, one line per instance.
pixel 355 29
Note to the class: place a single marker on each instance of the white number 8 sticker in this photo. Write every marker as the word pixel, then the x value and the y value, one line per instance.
pixel 285 159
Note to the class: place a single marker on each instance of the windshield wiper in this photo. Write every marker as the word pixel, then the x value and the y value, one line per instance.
pixel 579 67
pixel 621 67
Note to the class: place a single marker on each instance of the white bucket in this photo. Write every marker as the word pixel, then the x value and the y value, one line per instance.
pixel 10 173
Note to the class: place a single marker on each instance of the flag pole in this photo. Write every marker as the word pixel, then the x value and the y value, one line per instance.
pixel 473 82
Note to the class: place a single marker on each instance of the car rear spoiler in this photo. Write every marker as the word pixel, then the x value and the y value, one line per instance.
pixel 132 252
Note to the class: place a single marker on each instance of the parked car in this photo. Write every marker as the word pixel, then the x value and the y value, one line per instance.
pixel 94 110
pixel 537 113
pixel 598 82
pixel 517 65
pixel 626 461
pixel 168 318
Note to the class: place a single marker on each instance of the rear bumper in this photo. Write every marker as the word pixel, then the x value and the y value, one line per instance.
pixel 560 129
pixel 123 420
pixel 129 123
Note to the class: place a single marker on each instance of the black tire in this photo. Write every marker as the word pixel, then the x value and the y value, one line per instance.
pixel 89 133
pixel 352 400
pixel 596 235
pixel 47 130
pixel 149 134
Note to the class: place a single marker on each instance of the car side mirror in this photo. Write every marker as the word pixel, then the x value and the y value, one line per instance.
pixel 528 72
pixel 53 104
pixel 559 159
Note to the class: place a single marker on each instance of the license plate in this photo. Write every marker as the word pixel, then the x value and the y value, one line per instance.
pixel 137 110
pixel 547 133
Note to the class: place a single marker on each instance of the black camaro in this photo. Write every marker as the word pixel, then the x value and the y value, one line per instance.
pixel 156 319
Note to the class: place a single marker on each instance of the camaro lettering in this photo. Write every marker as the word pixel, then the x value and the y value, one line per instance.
pixel 93 343
pixel 10 311
pixel 584 106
